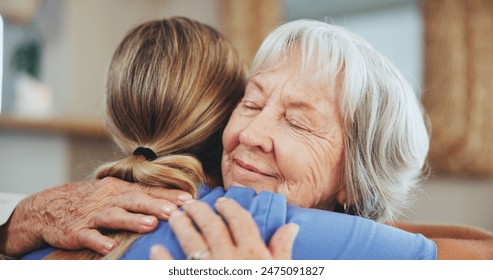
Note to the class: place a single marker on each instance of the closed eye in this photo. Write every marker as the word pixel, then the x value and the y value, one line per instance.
pixel 298 125
pixel 249 108
pixel 249 105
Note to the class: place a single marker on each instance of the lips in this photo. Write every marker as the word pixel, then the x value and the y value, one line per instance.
pixel 249 167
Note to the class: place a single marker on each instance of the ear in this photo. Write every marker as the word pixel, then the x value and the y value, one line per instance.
pixel 342 196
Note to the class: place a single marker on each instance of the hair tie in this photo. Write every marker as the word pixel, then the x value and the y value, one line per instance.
pixel 149 154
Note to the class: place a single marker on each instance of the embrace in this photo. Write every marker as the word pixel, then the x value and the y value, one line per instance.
pixel 319 149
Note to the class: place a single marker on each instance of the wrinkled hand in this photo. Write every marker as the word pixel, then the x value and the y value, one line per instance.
pixel 69 216
pixel 238 238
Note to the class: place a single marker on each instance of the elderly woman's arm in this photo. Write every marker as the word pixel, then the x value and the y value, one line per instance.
pixel 69 216
pixel 322 234
pixel 455 242
pixel 379 242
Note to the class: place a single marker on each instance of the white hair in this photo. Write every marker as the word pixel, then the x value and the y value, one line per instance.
pixel 386 140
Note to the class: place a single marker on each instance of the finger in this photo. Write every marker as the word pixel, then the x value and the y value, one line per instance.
pixel 119 219
pixel 156 201
pixel 281 243
pixel 175 196
pixel 158 252
pixel 94 240
pixel 191 241
pixel 140 202
pixel 213 228
pixel 241 224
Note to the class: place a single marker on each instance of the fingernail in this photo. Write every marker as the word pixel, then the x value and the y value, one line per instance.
pixel 176 214
pixel 190 201
pixel 155 251
pixel 217 205
pixel 184 197
pixel 221 199
pixel 295 228
pixel 167 209
pixel 109 246
pixel 148 221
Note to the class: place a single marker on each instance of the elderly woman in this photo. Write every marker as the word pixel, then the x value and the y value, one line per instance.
pixel 327 122
pixel 331 124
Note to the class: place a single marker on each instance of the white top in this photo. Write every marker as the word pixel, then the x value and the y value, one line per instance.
pixel 8 202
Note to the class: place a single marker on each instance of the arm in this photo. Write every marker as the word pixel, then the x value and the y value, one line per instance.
pixel 455 242
pixel 69 216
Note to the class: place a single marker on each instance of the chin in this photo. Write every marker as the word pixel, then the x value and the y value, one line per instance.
pixel 258 187
pixel 261 187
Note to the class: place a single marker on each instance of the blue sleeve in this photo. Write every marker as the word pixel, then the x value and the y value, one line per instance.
pixel 204 190
pixel 140 248
pixel 330 235
pixel 38 255
pixel 323 235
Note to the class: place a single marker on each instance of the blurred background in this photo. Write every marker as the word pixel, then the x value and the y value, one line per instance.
pixel 56 54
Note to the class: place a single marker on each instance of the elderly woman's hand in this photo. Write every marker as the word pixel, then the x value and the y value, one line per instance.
pixel 237 237
pixel 69 216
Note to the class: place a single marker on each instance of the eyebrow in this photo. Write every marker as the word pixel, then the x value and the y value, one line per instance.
pixel 257 83
pixel 297 103
pixel 302 105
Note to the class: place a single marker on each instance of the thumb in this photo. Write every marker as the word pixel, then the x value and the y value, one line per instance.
pixel 281 243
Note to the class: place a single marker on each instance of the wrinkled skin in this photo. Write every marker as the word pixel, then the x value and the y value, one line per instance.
pixel 71 215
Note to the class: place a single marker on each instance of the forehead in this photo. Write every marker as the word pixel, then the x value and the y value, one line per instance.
pixel 302 71
pixel 288 80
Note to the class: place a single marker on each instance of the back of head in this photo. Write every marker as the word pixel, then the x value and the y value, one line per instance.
pixel 386 141
pixel 171 87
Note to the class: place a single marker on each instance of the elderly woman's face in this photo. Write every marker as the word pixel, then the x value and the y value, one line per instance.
pixel 285 136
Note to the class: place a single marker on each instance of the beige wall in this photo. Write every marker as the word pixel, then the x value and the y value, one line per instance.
pixel 455 200
pixel 82 36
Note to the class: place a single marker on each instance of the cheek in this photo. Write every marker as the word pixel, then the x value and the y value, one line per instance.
pixel 328 161
pixel 230 141
pixel 231 135
pixel 312 170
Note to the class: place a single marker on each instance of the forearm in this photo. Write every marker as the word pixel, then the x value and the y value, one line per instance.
pixel 70 216
pixel 459 249
pixel 455 242
pixel 446 231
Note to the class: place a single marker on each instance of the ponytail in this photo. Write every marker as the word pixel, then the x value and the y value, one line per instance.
pixel 182 172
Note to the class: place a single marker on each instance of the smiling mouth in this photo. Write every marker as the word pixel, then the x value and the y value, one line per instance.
pixel 250 168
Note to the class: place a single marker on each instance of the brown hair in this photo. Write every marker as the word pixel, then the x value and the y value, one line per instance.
pixel 171 87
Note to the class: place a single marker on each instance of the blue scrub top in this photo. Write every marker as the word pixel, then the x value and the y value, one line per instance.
pixel 323 235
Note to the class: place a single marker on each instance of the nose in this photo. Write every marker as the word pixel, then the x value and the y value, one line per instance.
pixel 259 132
